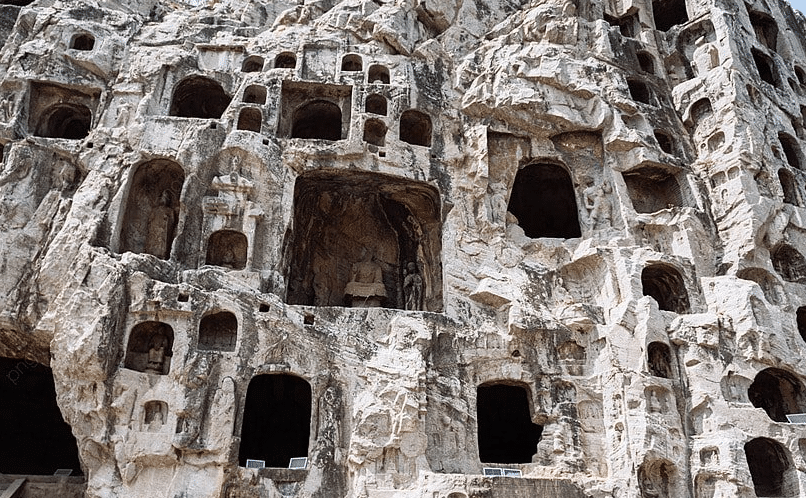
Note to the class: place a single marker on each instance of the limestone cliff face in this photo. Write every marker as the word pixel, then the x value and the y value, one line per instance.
pixel 408 241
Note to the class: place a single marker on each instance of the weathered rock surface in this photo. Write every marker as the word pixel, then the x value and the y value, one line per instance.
pixel 406 240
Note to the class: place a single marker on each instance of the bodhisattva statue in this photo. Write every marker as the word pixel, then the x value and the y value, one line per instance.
pixel 413 288
pixel 365 289
pixel 156 354
pixel 160 227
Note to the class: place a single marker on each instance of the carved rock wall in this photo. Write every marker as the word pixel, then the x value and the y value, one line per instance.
pixel 439 216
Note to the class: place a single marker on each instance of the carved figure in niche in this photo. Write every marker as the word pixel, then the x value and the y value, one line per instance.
pixel 654 403
pixel 654 480
pixel 123 115
pixel 599 206
pixel 413 288
pixel 365 288
pixel 65 175
pixel 160 227
pixel 155 412
pixel 706 56
pixel 156 354
pixel 7 106
pixel 498 204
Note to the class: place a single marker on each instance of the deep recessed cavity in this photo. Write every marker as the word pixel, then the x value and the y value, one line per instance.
pixel 36 439
pixel 506 433
pixel 276 420
pixel 665 284
pixel 544 202
pixel 778 392
pixel 199 97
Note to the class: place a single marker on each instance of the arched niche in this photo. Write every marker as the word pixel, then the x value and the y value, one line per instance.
pixel 83 41
pixel 150 348
pixel 789 186
pixel 792 150
pixel 652 188
pixel 250 119
pixel 227 248
pixel 639 91
pixel 285 60
pixel 789 263
pixel 152 208
pixel 36 439
pixel 800 73
pixel 765 67
pixel 770 467
pixel 376 104
pixel 765 28
pixel 352 63
pixel 700 110
pixel 276 420
pixel 669 13
pixel 255 94
pixel 646 62
pixel 199 97
pixel 665 141
pixel 347 223
pixel 506 433
pixel 656 478
pixel 319 119
pixel 800 317
pixel 415 128
pixel 378 74
pixel 70 121
pixel 544 202
pixel 665 284
pixel 659 359
pixel 253 64
pixel 375 132
pixel 778 392
pixel 218 332
pixel 155 414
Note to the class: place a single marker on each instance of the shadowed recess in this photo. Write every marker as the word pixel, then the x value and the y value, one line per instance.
pixel 505 428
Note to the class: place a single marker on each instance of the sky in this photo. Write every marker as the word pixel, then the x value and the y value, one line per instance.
pixel 799 5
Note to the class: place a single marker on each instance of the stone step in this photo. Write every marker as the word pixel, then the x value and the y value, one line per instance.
pixel 13 490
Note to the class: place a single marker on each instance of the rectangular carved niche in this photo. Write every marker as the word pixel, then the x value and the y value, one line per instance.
pixel 365 239
pixel 315 111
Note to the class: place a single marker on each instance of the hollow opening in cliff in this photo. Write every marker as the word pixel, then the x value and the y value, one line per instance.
pixel 351 62
pixel 770 468
pixel 152 208
pixel 70 121
pixel 84 41
pixel 506 433
pixel 628 25
pixel 199 97
pixel 801 75
pixel 789 263
pixel 315 111
pixel 227 248
pixel 659 359
pixel 700 110
pixel 376 104
pixel 669 13
pixel 639 91
pixel 790 187
pixel 319 119
pixel 255 94
pixel 765 66
pixel 276 420
pixel 150 348
pixel 665 284
pixel 253 64
pixel 665 141
pixel 544 202
pixel 801 321
pixel 646 62
pixel 36 439
pixel 378 74
pixel 285 60
pixel 415 128
pixel 250 119
pixel 218 332
pixel 765 28
pixel 652 188
pixel 357 236
pixel 375 132
pixel 656 478
pixel 778 392
pixel 792 150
